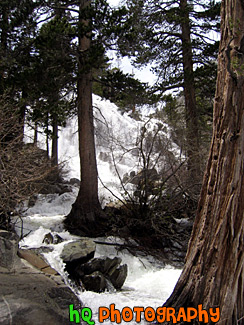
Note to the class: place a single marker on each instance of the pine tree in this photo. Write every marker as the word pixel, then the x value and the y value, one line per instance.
pixel 96 29
pixel 17 28
pixel 123 89
pixel 53 72
pixel 86 208
pixel 173 36
pixel 213 275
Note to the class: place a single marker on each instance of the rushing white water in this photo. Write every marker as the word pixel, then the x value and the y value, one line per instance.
pixel 116 138
pixel 147 284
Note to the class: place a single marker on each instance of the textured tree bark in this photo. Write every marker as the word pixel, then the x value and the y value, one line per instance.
pixel 35 134
pixel 86 210
pixel 47 137
pixel 22 111
pixel 214 270
pixel 4 26
pixel 192 132
pixel 54 156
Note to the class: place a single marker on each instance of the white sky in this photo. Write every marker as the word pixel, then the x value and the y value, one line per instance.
pixel 145 75
pixel 114 2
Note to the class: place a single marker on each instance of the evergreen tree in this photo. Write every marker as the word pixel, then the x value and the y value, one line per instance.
pixel 53 73
pixel 95 26
pixel 17 28
pixel 173 36
pixel 213 275
pixel 123 89
pixel 86 208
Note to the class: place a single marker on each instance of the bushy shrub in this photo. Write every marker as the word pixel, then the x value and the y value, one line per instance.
pixel 23 167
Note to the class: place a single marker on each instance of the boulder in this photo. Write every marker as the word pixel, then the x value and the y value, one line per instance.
pixel 81 251
pixel 74 181
pixel 57 188
pixel 95 274
pixel 149 174
pixel 52 239
pixel 118 276
pixel 135 152
pixel 8 249
pixel 28 296
pixel 32 200
pixel 102 264
pixel 108 267
pixel 105 156
pixel 125 178
pixel 37 261
pixel 94 282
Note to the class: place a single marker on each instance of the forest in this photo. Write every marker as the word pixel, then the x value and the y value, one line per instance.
pixel 157 163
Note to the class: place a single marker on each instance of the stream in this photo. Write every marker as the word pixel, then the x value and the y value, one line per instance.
pixel 148 283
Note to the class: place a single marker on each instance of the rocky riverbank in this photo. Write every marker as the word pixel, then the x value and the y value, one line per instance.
pixel 27 295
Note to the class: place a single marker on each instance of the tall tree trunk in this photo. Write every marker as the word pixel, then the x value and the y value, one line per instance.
pixel 47 135
pixel 54 157
pixel 22 112
pixel 4 25
pixel 86 210
pixel 192 132
pixel 35 134
pixel 54 101
pixel 214 271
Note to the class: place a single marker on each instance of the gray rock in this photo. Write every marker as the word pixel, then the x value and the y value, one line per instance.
pixel 57 239
pixel 125 178
pixel 95 264
pixel 135 180
pixel 118 276
pixel 94 282
pixel 105 156
pixel 149 174
pixel 27 295
pixel 102 264
pixel 48 238
pixel 32 200
pixel 52 239
pixel 108 267
pixel 57 188
pixel 8 249
pixel 135 152
pixel 36 260
pixel 111 263
pixel 74 181
pixel 78 250
pixel 51 189
pixel 41 250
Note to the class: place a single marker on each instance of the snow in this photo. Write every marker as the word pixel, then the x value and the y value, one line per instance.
pixel 148 283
